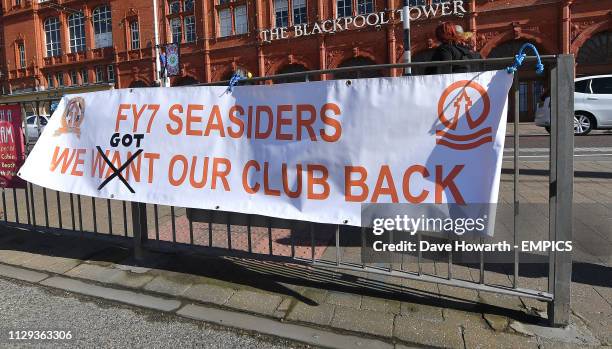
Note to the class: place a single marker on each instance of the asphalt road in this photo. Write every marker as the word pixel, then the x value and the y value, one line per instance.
pixel 101 324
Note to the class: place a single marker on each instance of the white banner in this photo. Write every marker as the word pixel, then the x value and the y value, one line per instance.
pixel 310 151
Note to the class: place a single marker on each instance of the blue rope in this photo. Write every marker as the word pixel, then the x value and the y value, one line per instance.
pixel 233 82
pixel 520 58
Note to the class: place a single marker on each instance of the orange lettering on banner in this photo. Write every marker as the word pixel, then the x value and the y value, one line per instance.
pixel 306 123
pixel 298 181
pixel 137 115
pixel 385 175
pixel 120 115
pixel 236 121
pixel 215 115
pixel 63 158
pixel 151 157
pixel 98 163
pixel 406 184
pixel 77 162
pixel 448 182
pixel 331 122
pixel 267 189
pixel 193 118
pixel 201 183
pixel 155 109
pixel 321 181
pixel 177 181
pixel 66 158
pixel 260 109
pixel 176 119
pixel 220 174
pixel 134 167
pixel 281 121
pixel 349 183
pixel 245 177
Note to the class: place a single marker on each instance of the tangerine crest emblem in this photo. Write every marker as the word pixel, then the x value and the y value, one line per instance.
pixel 450 114
pixel 73 117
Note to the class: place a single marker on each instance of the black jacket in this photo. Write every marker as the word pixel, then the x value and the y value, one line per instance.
pixel 452 52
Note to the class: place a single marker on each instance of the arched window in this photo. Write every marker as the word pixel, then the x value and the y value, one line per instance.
pixel 597 50
pixel 292 68
pixel 76 27
pixel 360 74
pixel 52 36
pixel 103 31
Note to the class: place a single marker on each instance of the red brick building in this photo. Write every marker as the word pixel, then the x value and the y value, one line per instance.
pixel 51 43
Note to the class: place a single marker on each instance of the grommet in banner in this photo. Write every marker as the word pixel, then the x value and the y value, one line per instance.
pixel 112 196
pixel 348 82
pixel 345 221
pixel 216 207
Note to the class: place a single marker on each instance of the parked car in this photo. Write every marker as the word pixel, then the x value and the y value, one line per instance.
pixel 34 129
pixel 592 105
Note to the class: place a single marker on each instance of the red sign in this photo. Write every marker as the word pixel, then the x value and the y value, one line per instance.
pixel 12 154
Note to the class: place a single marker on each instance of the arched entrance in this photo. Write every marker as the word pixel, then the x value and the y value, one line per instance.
pixel 185 81
pixel 356 62
pixel 595 55
pixel 292 68
pixel 531 86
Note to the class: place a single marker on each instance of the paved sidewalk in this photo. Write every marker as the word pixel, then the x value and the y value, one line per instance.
pixel 392 310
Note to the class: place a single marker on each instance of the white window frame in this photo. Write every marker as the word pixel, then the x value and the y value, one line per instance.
pixel 176 30
pixel 134 35
pixel 100 74
pixel 84 76
pixel 74 77
pixel 244 27
pixel 300 5
pixel 365 3
pixel 50 82
pixel 59 77
pixel 76 30
pixel 53 38
pixel 22 57
pixel 281 13
pixel 190 28
pixel 225 28
pixel 103 28
pixel 110 73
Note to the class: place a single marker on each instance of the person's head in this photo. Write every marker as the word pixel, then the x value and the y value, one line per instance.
pixel 446 33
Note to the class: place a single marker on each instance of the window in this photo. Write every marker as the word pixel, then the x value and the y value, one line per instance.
pixel 299 12
pixel 345 8
pixel 52 36
pixel 84 76
pixel 190 32
pixel 225 19
pixel 22 57
pixel 281 8
pixel 74 78
pixel 538 90
pixel 135 35
pixel 177 29
pixel 175 7
pixel 103 31
pixel 583 86
pixel 238 26
pixel 188 5
pixel 240 18
pixel 110 73
pixel 76 27
pixel 602 86
pixel 60 79
pixel 365 6
pixel 50 83
pixel 99 74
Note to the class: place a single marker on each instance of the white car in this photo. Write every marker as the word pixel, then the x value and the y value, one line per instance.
pixel 592 105
pixel 34 129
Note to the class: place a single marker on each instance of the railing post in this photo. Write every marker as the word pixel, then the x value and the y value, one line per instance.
pixel 561 187
pixel 139 225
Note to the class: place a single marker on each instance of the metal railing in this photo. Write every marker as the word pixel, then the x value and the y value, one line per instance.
pixel 159 227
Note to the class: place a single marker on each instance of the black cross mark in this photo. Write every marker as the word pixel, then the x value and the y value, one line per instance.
pixel 117 172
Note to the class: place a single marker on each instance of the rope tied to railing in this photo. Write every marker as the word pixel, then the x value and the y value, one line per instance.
pixel 235 79
pixel 520 58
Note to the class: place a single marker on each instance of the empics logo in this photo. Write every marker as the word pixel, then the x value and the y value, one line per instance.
pixel 73 117
pixel 462 101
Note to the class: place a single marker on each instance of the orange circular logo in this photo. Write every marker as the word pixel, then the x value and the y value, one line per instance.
pixel 460 100
pixel 72 117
